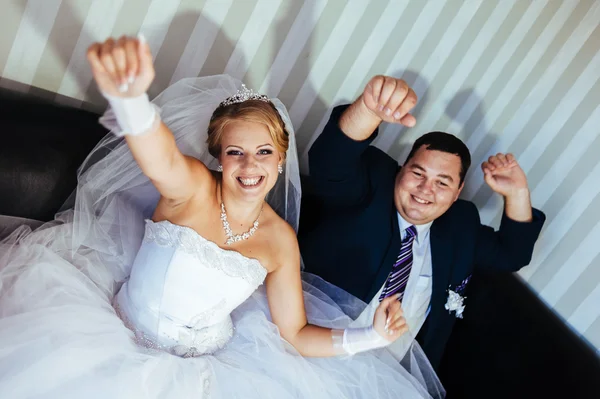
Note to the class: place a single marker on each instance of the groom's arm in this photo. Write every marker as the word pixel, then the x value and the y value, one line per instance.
pixel 338 160
pixel 511 247
pixel 338 170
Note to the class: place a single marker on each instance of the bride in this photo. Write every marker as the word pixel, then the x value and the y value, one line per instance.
pixel 186 250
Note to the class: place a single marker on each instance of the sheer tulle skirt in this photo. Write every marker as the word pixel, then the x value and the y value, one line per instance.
pixel 61 338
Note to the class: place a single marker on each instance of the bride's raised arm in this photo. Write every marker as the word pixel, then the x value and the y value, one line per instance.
pixel 286 302
pixel 123 70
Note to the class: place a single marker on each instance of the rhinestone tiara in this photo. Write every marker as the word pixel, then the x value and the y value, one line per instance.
pixel 244 94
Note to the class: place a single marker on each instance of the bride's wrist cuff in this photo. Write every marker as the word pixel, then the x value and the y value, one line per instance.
pixel 135 115
pixel 354 340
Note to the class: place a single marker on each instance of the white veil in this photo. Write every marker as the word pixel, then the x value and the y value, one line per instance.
pixel 113 196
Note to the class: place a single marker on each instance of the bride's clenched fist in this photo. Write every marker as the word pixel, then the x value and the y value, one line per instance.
pixel 122 67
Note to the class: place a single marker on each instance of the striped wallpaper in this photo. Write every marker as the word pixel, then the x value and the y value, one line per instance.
pixel 504 75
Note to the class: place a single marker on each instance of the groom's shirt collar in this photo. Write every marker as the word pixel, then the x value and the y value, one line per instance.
pixel 422 229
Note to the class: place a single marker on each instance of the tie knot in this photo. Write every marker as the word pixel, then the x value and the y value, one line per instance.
pixel 411 231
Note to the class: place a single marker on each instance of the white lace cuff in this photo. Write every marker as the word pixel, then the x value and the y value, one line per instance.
pixel 355 340
pixel 133 116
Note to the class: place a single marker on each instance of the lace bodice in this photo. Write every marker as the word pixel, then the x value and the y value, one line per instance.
pixel 183 288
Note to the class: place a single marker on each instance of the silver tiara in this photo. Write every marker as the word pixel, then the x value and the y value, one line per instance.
pixel 244 94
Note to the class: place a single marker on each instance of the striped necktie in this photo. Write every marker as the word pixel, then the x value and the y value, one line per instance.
pixel 398 277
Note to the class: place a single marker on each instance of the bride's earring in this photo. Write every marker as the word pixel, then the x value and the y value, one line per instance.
pixel 220 168
pixel 280 168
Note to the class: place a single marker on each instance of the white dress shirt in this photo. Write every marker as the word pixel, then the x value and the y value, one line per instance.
pixel 417 295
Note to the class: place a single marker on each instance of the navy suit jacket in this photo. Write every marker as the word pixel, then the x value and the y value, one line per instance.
pixel 349 232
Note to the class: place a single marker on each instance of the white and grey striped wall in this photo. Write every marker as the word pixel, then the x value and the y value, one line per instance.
pixel 520 76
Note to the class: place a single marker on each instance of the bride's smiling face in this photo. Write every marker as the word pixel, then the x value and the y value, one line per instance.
pixel 249 159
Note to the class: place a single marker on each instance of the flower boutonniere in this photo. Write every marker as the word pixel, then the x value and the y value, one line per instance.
pixel 455 302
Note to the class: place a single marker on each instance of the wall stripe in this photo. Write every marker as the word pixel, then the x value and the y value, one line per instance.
pixel 324 63
pixel 559 199
pixel 97 26
pixel 354 81
pixel 573 209
pixel 530 42
pixel 443 41
pixel 60 44
pixel 582 280
pixel 28 45
pixel 156 23
pixel 593 334
pixel 201 39
pixel 576 136
pixel 271 44
pixel 132 16
pixel 570 258
pixel 560 100
pixel 526 19
pixel 230 32
pixel 180 27
pixel 413 40
pixel 292 45
pixel 510 75
pixel 348 58
pixel 584 316
pixel 251 37
pixel 12 16
pixel 128 22
pixel 385 63
pixel 476 45
pixel 512 95
pixel 310 51
pixel 540 277
pixel 567 117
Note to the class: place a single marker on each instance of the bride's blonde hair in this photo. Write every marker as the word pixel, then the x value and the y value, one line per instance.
pixel 250 111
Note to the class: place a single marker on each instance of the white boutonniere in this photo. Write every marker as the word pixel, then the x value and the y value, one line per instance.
pixel 456 300
pixel 455 303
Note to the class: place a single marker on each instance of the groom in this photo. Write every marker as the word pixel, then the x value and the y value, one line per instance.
pixel 376 229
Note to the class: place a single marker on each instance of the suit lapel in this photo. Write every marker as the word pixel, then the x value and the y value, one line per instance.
pixel 390 256
pixel 442 257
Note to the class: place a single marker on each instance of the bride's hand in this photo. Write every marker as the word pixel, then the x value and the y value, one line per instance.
pixel 389 321
pixel 123 67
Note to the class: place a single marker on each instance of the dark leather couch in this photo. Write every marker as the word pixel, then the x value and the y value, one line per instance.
pixel 42 146
pixel 509 344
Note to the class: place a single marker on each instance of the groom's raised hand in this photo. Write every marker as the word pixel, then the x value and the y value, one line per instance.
pixel 384 99
pixel 390 99
pixel 505 176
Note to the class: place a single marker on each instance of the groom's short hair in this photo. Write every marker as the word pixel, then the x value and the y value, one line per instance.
pixel 445 142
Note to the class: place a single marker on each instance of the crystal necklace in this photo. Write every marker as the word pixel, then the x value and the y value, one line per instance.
pixel 231 238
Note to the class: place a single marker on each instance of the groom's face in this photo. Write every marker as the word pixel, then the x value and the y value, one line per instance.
pixel 427 185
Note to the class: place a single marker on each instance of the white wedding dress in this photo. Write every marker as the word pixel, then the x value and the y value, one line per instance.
pixel 105 303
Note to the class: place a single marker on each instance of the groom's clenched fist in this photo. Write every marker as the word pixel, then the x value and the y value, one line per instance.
pixel 384 99
pixel 390 99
